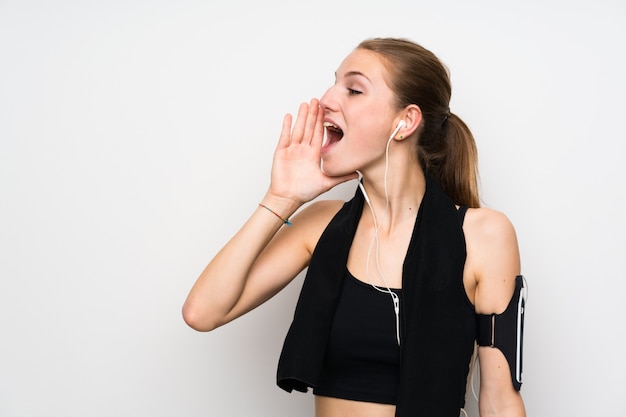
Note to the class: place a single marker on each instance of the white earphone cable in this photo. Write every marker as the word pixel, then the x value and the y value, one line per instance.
pixel 375 240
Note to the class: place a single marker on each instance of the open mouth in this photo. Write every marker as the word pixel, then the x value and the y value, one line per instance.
pixel 333 133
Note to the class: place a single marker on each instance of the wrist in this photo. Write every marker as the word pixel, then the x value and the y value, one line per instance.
pixel 278 216
pixel 282 207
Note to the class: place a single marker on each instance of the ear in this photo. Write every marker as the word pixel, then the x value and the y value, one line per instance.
pixel 412 119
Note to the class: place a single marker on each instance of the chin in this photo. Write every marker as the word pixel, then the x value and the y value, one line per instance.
pixel 332 170
pixel 337 172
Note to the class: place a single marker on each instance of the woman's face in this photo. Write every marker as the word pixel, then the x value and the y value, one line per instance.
pixel 359 114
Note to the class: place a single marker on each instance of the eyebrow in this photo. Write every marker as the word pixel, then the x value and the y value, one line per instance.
pixel 354 74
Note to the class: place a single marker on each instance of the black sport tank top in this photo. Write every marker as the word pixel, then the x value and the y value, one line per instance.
pixel 362 356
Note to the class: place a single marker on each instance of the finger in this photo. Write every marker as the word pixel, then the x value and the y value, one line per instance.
pixel 298 129
pixel 318 134
pixel 285 133
pixel 311 120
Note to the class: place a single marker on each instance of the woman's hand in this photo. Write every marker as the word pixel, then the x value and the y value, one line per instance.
pixel 296 171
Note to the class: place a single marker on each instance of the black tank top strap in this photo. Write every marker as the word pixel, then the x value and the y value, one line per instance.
pixel 461 212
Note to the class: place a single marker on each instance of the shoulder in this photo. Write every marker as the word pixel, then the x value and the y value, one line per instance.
pixel 320 210
pixel 311 221
pixel 486 226
pixel 488 220
pixel 492 257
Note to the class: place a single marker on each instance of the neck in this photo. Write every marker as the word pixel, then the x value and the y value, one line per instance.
pixel 397 197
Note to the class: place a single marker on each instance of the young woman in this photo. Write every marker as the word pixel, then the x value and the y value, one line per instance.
pixel 398 276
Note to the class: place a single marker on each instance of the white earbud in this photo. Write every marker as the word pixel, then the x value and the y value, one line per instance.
pixel 401 124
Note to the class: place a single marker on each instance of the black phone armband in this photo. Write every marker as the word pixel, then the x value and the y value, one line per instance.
pixel 505 331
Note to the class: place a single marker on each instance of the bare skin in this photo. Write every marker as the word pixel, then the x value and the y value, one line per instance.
pixel 263 256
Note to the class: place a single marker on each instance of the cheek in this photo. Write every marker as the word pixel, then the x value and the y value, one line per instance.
pixel 371 118
pixel 369 133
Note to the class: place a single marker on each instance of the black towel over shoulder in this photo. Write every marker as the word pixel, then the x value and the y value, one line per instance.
pixel 437 319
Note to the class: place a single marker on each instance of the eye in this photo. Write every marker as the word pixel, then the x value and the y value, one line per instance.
pixel 353 92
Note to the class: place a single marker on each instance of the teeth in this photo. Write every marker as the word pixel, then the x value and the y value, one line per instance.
pixel 329 124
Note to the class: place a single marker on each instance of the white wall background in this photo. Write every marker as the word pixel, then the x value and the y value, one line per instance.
pixel 136 137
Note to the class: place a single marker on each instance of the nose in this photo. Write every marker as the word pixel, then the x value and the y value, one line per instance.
pixel 328 101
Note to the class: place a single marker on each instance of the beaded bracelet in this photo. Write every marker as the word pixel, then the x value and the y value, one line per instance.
pixel 286 221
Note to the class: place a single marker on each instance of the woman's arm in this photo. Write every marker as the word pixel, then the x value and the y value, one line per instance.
pixel 262 258
pixel 493 259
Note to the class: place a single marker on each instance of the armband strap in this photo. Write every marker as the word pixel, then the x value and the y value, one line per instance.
pixel 505 331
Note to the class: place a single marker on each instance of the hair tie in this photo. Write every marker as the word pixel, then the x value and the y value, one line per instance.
pixel 446 116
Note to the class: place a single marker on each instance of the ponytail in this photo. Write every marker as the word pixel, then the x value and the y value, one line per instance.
pixel 448 153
